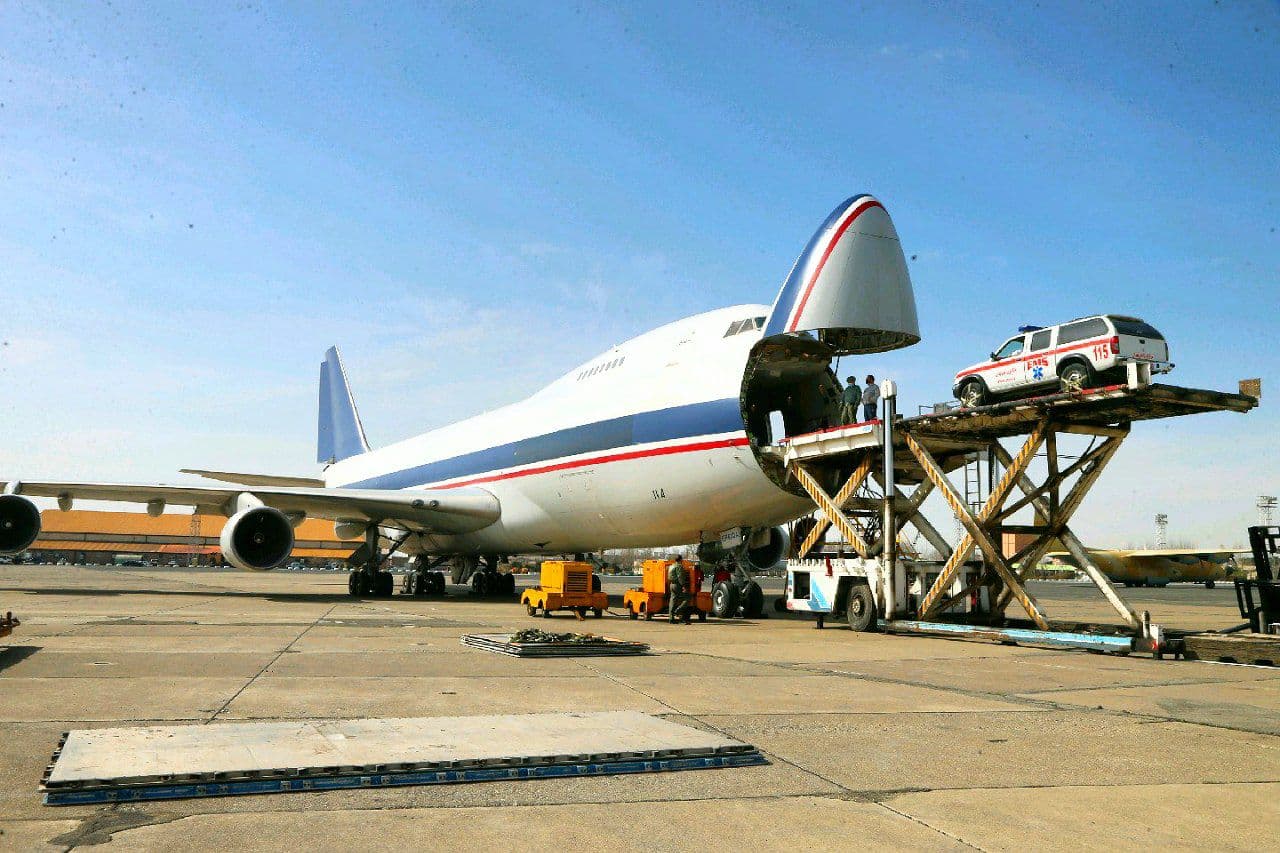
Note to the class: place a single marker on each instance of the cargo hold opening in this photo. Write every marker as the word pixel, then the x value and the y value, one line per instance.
pixel 788 389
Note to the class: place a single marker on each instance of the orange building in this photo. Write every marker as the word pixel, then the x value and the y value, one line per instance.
pixel 86 536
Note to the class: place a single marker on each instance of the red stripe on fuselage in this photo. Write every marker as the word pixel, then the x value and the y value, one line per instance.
pixel 831 246
pixel 1037 354
pixel 599 460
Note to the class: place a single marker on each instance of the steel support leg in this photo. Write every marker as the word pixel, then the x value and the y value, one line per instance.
pixel 1012 470
pixel 980 537
pixel 851 485
pixel 829 508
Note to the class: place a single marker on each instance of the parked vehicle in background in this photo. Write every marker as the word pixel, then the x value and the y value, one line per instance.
pixel 1084 353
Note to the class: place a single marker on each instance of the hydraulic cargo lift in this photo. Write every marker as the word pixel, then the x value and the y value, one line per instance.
pixel 862 490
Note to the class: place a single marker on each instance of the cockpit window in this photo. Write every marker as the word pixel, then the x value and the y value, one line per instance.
pixel 748 325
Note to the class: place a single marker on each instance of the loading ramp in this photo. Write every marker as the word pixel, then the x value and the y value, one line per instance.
pixel 861 491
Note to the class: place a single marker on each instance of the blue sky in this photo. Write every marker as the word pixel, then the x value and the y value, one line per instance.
pixel 470 200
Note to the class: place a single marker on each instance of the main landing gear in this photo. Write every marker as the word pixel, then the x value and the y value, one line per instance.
pixel 733 591
pixel 423 577
pixel 369 579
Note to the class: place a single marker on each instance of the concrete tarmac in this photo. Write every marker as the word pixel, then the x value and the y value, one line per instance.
pixel 875 742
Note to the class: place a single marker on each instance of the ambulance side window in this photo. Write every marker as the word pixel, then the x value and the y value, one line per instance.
pixel 1040 340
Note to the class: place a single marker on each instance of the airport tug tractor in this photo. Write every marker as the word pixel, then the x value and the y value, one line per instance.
pixel 651 597
pixel 566 585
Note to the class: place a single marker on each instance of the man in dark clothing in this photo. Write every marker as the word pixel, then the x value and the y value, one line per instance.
pixel 849 402
pixel 678 591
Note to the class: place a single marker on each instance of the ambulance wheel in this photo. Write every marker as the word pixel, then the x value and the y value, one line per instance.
pixel 1076 377
pixel 861 611
pixel 724 600
pixel 972 393
pixel 531 610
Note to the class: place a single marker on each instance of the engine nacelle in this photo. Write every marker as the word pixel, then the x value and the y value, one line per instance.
pixel 257 539
pixel 19 524
pixel 767 547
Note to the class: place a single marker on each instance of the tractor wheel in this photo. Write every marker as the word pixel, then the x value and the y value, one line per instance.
pixel 861 611
pixel 597 612
pixel 531 610
pixel 631 612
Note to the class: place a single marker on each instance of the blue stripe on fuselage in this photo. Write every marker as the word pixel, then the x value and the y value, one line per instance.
pixel 794 284
pixel 697 419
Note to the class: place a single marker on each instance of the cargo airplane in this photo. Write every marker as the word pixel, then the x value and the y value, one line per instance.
pixel 655 442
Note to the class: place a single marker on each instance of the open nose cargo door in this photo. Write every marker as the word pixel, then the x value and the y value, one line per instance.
pixel 848 293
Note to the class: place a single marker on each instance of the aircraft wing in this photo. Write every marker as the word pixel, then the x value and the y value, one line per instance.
pixel 461 510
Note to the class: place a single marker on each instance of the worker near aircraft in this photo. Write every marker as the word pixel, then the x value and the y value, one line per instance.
pixel 678 591
pixel 870 397
pixel 849 401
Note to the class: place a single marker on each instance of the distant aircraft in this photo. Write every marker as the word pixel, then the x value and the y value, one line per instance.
pixel 1155 567
pixel 655 442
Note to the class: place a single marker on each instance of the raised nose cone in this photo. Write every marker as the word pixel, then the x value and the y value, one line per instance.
pixel 850 285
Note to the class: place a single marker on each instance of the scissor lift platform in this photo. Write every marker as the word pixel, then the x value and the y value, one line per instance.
pixel 844 470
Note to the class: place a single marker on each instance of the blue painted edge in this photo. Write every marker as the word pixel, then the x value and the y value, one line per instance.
pixel 1066 639
pixel 386 780
pixel 712 417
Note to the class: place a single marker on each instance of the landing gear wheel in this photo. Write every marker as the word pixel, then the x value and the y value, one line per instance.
pixel 384 584
pixel 437 583
pixel 480 583
pixel 724 600
pixel 752 600
pixel 972 394
pixel 1076 377
pixel 861 611
pixel 354 587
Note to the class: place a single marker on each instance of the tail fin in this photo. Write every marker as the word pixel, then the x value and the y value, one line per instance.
pixel 850 284
pixel 340 434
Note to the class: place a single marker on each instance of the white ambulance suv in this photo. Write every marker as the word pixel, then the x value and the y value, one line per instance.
pixel 1084 353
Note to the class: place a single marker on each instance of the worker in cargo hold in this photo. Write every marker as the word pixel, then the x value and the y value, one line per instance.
pixel 849 401
pixel 678 591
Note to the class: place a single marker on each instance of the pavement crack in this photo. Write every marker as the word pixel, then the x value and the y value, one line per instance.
pixel 269 664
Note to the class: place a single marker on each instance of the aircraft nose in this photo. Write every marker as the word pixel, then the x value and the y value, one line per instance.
pixel 850 285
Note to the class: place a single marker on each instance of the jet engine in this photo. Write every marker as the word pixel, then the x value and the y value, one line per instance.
pixel 257 539
pixel 19 524
pixel 766 547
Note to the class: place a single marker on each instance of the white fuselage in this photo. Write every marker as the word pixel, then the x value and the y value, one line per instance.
pixel 641 446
